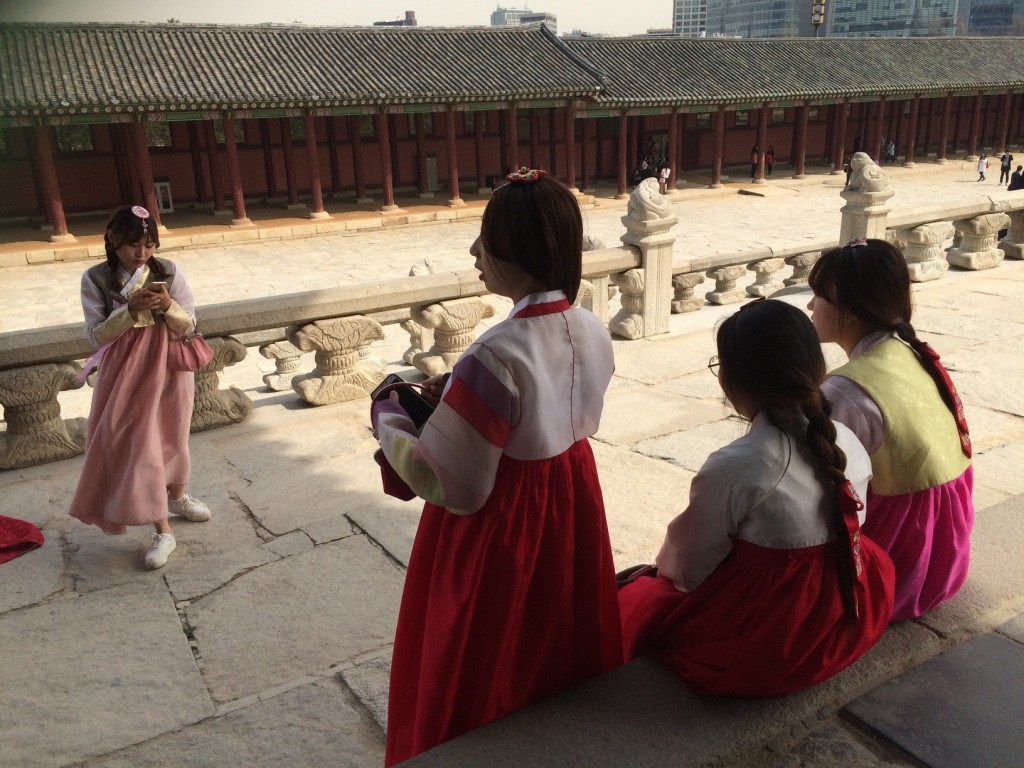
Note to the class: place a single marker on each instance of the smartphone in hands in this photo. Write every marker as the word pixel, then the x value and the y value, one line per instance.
pixel 412 402
pixel 157 286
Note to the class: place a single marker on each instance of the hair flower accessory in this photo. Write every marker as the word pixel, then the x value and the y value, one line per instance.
pixel 143 214
pixel 857 242
pixel 526 175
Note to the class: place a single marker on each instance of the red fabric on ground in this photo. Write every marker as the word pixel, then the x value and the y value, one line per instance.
pixel 17 537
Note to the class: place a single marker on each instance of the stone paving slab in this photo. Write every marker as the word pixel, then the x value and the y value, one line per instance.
pixel 959 710
pixel 294 616
pixel 87 675
pixel 318 724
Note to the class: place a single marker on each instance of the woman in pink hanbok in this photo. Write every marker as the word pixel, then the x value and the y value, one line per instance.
pixel 900 402
pixel 136 456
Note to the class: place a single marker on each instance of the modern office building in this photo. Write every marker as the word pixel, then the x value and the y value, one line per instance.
pixel 994 17
pixel 512 17
pixel 892 18
pixel 759 18
pixel 689 17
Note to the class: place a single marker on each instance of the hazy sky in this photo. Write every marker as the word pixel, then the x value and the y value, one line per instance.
pixel 616 17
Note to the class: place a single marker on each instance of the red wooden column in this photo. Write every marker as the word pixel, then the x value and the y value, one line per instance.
pixel 316 192
pixel 876 135
pixel 332 154
pixel 799 159
pixel 915 110
pixel 453 159
pixel 762 141
pixel 940 151
pixel 478 152
pixel 552 142
pixel 929 113
pixel 719 150
pixel 146 173
pixel 357 160
pixel 213 160
pixel 1004 123
pixel 235 173
pixel 972 133
pixel 268 158
pixel 511 117
pixel 196 155
pixel 421 157
pixel 289 163
pixel 46 179
pixel 534 138
pixel 621 193
pixel 585 154
pixel 384 143
pixel 673 147
pixel 570 146
pixel 842 118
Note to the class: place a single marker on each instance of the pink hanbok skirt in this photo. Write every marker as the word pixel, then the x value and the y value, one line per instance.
pixel 928 536
pixel 137 442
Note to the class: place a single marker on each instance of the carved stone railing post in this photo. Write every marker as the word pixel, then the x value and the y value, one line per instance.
pixel 922 249
pixel 287 358
pixel 629 320
pixel 802 263
pixel 339 375
pixel 420 339
pixel 36 433
pixel 1013 244
pixel 215 407
pixel 766 281
pixel 683 299
pixel 454 325
pixel 865 211
pixel 594 294
pixel 725 279
pixel 977 248
pixel 649 220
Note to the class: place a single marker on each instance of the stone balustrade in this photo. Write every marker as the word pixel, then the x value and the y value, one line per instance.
pixel 442 311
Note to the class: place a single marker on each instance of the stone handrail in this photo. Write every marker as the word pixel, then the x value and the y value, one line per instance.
pixel 441 311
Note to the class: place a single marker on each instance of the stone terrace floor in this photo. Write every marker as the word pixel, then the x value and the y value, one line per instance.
pixel 267 637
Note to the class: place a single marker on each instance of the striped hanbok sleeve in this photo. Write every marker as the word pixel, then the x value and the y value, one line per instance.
pixel 465 437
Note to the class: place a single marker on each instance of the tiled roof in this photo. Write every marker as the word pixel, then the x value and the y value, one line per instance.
pixel 49 66
pixel 110 69
pixel 680 71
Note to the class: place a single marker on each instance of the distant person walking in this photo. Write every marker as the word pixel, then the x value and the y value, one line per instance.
pixel 982 166
pixel 769 160
pixel 755 159
pixel 1017 179
pixel 890 152
pixel 1005 164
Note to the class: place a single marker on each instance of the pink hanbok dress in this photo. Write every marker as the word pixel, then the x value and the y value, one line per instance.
pixel 137 441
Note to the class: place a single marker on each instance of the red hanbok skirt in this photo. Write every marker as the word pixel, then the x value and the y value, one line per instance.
pixel 505 606
pixel 766 622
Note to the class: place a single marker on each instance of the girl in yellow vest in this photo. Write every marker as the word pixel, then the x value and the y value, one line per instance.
pixel 898 399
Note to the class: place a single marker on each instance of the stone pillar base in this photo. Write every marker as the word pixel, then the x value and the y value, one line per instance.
pixel 623 196
pixel 319 215
pixel 246 222
pixel 909 164
pixel 68 238
pixel 389 208
pixel 215 407
pixel 456 202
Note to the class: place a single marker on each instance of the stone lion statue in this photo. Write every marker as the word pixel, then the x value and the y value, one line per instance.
pixel 866 176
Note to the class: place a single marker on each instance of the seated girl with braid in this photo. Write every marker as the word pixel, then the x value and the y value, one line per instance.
pixel 764 584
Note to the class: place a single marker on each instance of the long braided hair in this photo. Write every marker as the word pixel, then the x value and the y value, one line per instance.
pixel 771 359
pixel 869 280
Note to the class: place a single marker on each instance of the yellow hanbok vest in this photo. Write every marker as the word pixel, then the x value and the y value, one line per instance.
pixel 921 446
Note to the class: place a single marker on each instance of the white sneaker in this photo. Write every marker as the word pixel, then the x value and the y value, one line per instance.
pixel 189 507
pixel 163 545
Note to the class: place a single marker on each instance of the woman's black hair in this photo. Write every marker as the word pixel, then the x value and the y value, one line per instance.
pixel 537 226
pixel 770 358
pixel 125 225
pixel 869 280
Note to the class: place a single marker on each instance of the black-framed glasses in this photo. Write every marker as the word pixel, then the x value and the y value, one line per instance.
pixel 713 365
